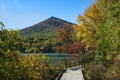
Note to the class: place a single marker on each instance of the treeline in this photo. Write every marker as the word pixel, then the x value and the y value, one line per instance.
pixel 39 44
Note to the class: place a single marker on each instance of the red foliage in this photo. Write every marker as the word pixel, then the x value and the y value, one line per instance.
pixel 77 48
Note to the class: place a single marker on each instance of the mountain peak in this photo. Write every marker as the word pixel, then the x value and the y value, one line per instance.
pixel 52 17
pixel 55 19
pixel 49 25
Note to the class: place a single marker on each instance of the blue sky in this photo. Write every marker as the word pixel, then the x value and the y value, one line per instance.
pixel 18 14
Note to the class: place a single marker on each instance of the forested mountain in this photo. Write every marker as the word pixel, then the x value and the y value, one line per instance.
pixel 48 26
pixel 42 37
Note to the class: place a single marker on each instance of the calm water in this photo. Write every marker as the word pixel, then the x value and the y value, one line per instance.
pixel 54 58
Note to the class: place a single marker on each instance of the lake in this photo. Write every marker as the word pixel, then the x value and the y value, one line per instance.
pixel 53 58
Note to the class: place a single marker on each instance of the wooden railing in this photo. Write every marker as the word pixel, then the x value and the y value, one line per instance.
pixel 75 62
pixel 70 62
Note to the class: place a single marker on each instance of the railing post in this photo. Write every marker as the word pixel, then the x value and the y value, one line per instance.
pixel 65 62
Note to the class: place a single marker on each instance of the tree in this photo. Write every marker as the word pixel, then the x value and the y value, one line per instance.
pixel 108 27
pixel 65 38
pixel 85 29
pixel 9 41
pixel 102 19
pixel 2 25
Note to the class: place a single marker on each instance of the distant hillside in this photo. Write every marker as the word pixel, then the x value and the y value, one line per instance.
pixel 48 26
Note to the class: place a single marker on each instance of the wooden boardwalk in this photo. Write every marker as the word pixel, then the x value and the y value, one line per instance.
pixel 73 70
pixel 73 73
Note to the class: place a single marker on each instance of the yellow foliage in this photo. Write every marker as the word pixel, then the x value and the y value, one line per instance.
pixel 83 33
pixel 85 29
pixel 109 57
pixel 118 57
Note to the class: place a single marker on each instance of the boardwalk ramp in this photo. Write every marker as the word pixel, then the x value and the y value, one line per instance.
pixel 72 73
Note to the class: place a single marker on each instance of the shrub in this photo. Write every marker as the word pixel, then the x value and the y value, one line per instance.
pixel 113 72
pixel 94 71
pixel 31 67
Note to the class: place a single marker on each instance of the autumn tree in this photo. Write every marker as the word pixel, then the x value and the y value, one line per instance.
pixel 64 38
pixel 9 41
pixel 85 29
pixel 107 42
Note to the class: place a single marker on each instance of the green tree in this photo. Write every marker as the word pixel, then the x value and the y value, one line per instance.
pixel 108 27
pixel 9 40
pixel 2 24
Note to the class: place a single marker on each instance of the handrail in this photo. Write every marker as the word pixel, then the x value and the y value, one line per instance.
pixel 73 62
